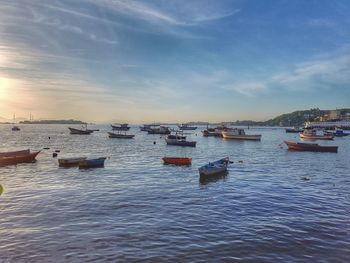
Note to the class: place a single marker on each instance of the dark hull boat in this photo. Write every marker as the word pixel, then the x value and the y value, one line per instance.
pixel 186 127
pixel 294 130
pixel 310 147
pixel 161 130
pixel 214 168
pixel 81 132
pixel 120 136
pixel 180 143
pixel 92 163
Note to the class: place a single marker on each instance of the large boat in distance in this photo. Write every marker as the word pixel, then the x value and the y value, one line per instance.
pixel 239 134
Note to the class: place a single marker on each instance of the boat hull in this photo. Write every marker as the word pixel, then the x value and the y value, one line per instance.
pixel 14 153
pixel 241 137
pixel 177 160
pixel 310 147
pixel 70 162
pixel 92 163
pixel 120 136
pixel 315 137
pixel 180 143
pixel 17 159
pixel 80 132
pixel 123 127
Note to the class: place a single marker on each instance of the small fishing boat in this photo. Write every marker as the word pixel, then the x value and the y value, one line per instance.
pixel 70 162
pixel 121 127
pixel 147 127
pixel 92 163
pixel 186 127
pixel 239 134
pixel 310 147
pixel 80 131
pixel 13 159
pixel 294 130
pixel 16 128
pixel 177 160
pixel 179 140
pixel 311 134
pixel 120 135
pixel 214 168
pixel 160 130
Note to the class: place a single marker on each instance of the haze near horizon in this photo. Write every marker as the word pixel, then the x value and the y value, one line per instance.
pixel 172 61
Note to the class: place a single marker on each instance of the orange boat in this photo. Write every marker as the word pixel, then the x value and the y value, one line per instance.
pixel 19 158
pixel 177 160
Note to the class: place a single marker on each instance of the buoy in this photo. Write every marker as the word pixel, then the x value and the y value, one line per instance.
pixel 240 161
pixel 154 142
pixel 46 148
pixel 57 151
pixel 1 189
pixel 304 178
pixel 49 137
pixel 54 155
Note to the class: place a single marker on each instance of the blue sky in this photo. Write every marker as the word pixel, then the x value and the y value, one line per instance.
pixel 141 61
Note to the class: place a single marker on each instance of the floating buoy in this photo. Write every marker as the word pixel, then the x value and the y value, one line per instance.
pixel 54 155
pixel 154 142
pixel 1 189
pixel 240 161
pixel 49 137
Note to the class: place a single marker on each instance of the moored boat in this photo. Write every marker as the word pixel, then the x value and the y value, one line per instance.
pixel 16 128
pixel 160 130
pixel 310 147
pixel 215 132
pixel 20 157
pixel 214 168
pixel 70 162
pixel 121 127
pixel 311 134
pixel 80 131
pixel 339 133
pixel 177 160
pixel 120 135
pixel 186 127
pixel 239 134
pixel 92 163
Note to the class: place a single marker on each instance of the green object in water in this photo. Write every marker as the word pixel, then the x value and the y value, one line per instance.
pixel 1 189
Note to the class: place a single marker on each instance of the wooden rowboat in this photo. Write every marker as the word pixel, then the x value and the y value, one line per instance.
pixel 177 160
pixel 81 132
pixel 20 158
pixel 310 147
pixel 70 162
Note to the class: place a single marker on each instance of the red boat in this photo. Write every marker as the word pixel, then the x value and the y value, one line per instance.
pixel 8 154
pixel 310 147
pixel 17 158
pixel 177 160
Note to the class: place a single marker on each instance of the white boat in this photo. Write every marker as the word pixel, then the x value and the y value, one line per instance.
pixel 239 134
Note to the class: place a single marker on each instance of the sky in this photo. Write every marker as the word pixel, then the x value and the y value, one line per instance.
pixel 172 60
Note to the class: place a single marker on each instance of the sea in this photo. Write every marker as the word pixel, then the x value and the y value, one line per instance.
pixel 273 205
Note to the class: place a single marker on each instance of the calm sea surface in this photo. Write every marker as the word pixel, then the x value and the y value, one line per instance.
pixel 137 210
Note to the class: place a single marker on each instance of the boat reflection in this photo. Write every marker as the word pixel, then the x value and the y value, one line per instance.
pixel 205 180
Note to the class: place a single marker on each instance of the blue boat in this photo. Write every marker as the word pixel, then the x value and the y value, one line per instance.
pixel 214 168
pixel 339 133
pixel 92 163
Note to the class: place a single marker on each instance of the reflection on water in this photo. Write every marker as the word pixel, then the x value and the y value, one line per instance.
pixel 137 209
pixel 204 180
